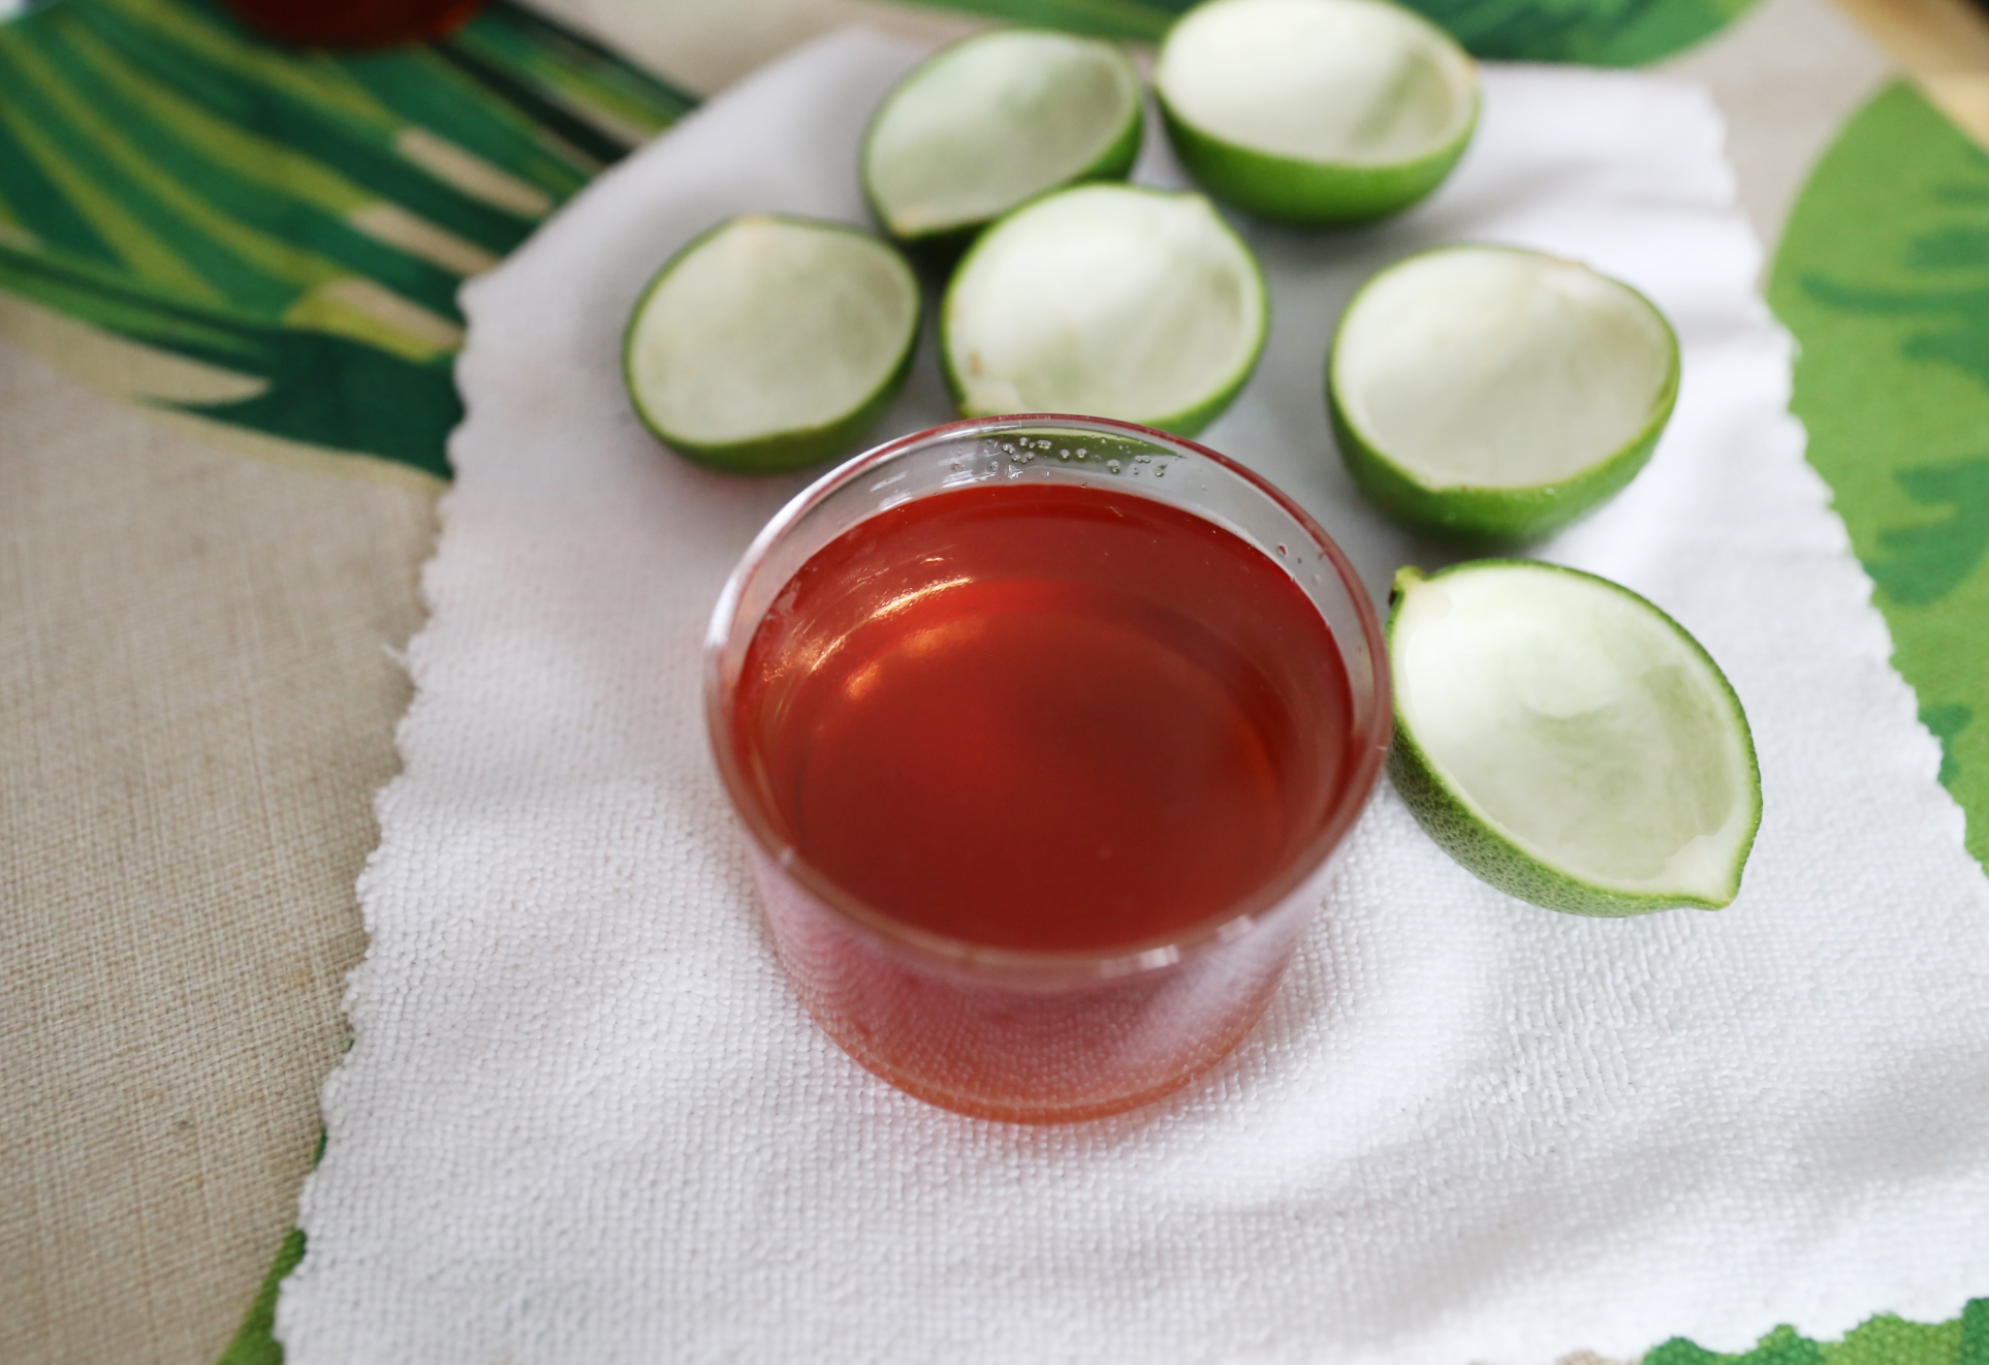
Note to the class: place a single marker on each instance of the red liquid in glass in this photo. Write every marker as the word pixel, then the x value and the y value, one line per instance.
pixel 354 23
pixel 1045 717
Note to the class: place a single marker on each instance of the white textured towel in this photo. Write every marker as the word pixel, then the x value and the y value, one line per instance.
pixel 584 1119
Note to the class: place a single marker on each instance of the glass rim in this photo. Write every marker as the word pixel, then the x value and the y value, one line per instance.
pixel 1368 744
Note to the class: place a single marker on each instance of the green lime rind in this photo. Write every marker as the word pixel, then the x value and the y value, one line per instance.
pixel 1308 192
pixel 784 451
pixel 1297 193
pixel 1460 827
pixel 944 247
pixel 1195 420
pixel 1188 420
pixel 788 449
pixel 939 251
pixel 942 243
pixel 1485 515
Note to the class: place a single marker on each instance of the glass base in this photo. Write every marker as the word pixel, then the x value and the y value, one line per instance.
pixel 1045 1113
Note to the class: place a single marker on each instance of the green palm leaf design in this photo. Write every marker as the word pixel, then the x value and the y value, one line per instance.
pixel 317 386
pixel 1925 562
pixel 1606 32
pixel 1883 276
pixel 297 221
pixel 1946 722
pixel 1883 1340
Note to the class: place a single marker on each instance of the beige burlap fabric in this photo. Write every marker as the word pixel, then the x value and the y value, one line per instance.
pixel 197 698
pixel 197 702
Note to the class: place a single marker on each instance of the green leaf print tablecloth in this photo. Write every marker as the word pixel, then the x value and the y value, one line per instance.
pixel 1883 276
pixel 248 257
pixel 298 223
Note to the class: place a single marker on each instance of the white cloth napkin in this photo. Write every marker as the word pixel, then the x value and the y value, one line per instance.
pixel 583 1118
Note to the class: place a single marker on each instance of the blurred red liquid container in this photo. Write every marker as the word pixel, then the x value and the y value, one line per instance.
pixel 354 23
pixel 1044 730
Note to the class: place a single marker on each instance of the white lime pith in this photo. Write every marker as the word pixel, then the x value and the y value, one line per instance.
pixel 1110 301
pixel 770 342
pixel 996 120
pixel 1315 112
pixel 1493 393
pixel 1567 741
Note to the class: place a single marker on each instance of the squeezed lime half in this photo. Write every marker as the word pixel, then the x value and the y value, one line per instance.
pixel 1315 112
pixel 770 342
pixel 990 122
pixel 1106 300
pixel 1567 741
pixel 1494 394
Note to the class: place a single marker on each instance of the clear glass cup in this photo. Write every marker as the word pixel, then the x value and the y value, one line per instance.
pixel 1040 1037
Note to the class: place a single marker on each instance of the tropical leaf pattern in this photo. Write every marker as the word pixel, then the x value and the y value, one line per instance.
pixel 1884 1340
pixel 295 222
pixel 1883 276
pixel 1924 563
pixel 1605 32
